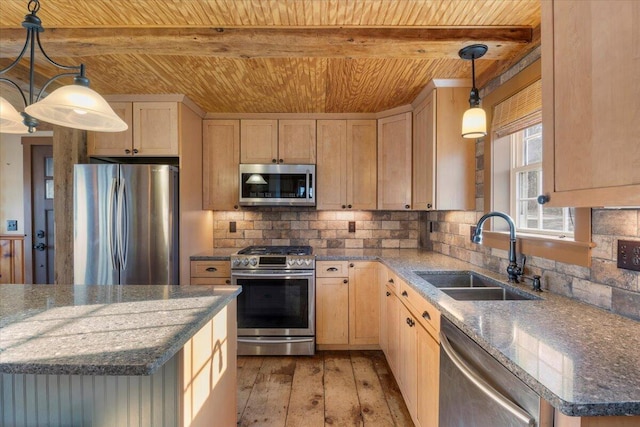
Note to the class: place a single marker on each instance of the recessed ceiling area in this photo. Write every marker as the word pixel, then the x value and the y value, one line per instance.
pixel 266 56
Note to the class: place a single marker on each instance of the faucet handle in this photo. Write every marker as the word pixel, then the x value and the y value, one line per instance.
pixel 524 263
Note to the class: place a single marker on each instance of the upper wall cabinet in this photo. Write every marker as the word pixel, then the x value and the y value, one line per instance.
pixel 221 157
pixel 278 141
pixel 153 131
pixel 394 162
pixel 591 102
pixel 443 161
pixel 346 169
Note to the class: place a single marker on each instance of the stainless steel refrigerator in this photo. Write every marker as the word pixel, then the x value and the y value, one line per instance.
pixel 126 224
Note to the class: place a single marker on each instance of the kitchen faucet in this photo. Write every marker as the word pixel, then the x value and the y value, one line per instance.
pixel 513 270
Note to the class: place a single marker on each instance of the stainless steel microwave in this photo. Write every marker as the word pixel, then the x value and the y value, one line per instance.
pixel 277 185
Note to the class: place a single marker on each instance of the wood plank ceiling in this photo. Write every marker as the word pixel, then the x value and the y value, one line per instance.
pixel 289 56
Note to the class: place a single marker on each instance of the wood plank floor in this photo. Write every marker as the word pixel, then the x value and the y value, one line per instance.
pixel 332 388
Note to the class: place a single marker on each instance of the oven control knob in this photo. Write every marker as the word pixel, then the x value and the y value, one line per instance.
pixel 299 261
pixel 236 262
pixel 245 261
pixel 253 262
pixel 307 261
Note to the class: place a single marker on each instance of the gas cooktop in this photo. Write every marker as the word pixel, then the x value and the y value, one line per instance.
pixel 276 250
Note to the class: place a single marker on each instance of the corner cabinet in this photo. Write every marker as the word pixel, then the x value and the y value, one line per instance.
pixel 443 162
pixel 278 141
pixel 346 168
pixel 153 131
pixel 394 162
pixel 591 102
pixel 221 159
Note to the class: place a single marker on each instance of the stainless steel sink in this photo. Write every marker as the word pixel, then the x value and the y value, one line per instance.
pixel 471 286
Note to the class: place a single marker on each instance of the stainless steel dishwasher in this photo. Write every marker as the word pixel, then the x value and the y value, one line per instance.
pixel 476 390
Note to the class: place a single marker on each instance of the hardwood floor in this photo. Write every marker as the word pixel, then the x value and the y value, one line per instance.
pixel 332 388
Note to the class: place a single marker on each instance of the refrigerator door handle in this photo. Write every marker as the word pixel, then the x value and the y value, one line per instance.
pixel 111 225
pixel 122 224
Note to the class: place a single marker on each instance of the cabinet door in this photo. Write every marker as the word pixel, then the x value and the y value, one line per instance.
pixel 393 333
pixel 424 154
pixel 361 160
pixel 331 170
pixel 394 162
pixel 332 310
pixel 155 129
pixel 363 303
pixel 258 141
pixel 116 144
pixel 428 378
pixel 591 102
pixel 384 294
pixel 408 359
pixel 221 156
pixel 297 141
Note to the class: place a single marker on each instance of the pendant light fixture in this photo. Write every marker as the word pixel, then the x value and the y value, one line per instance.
pixel 474 121
pixel 75 106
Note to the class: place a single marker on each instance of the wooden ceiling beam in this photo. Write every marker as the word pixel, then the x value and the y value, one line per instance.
pixel 405 43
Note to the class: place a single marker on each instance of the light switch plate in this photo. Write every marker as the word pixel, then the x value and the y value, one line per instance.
pixel 629 254
pixel 352 226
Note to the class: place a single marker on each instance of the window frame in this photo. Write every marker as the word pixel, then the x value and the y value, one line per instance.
pixel 576 251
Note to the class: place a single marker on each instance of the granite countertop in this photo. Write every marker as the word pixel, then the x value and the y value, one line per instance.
pixel 101 330
pixel 216 254
pixel 580 358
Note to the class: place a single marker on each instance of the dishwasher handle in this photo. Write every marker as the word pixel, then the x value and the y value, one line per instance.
pixel 484 386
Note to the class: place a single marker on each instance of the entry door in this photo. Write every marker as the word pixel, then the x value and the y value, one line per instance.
pixel 42 191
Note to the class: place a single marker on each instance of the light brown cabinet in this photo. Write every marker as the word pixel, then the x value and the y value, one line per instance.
pixel 332 303
pixel 346 166
pixel 590 103
pixel 347 307
pixel 153 131
pixel 394 162
pixel 210 273
pixel 278 141
pixel 427 378
pixel 221 158
pixel 408 359
pixel 443 161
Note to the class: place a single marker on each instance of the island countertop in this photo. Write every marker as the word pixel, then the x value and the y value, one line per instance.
pixel 101 330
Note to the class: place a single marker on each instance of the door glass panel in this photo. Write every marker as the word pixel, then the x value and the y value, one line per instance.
pixel 48 188
pixel 273 303
pixel 48 166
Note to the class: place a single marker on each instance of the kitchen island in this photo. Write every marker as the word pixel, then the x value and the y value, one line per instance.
pixel 117 355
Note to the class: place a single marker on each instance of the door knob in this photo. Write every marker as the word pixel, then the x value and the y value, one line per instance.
pixel 40 234
pixel 40 247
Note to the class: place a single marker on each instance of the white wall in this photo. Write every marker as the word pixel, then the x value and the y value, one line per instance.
pixel 11 181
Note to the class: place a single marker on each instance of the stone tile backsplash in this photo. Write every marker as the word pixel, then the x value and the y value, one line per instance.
pixel 604 284
pixel 320 229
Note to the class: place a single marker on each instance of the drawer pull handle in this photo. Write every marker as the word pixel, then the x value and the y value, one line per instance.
pixel 426 315
pixel 410 322
pixel 388 293
pixel 405 294
pixel 351 265
pixel 212 269
pixel 345 281
pixel 391 281
pixel 332 269
pixel 228 282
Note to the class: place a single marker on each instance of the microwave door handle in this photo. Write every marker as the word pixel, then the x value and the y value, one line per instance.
pixel 485 387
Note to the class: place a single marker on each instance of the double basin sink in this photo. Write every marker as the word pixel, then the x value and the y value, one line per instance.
pixel 471 286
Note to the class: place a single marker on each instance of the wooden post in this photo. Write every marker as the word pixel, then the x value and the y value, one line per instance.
pixel 69 148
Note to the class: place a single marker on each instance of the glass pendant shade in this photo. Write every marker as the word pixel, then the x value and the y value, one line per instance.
pixel 474 123
pixel 256 178
pixel 79 107
pixel 10 119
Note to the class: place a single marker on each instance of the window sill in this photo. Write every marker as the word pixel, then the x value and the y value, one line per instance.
pixel 553 248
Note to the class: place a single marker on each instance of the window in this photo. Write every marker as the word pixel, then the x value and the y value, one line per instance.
pixel 526 185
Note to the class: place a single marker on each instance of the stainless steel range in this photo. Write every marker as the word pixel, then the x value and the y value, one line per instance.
pixel 276 309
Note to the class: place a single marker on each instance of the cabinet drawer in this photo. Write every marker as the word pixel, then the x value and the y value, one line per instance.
pixel 210 281
pixel 425 312
pixel 332 269
pixel 210 269
pixel 393 282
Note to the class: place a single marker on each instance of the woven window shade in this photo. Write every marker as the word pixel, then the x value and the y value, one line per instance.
pixel 520 111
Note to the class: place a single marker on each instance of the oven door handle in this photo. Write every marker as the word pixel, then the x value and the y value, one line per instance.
pixel 276 341
pixel 272 275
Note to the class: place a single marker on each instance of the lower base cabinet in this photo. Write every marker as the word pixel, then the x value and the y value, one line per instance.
pixel 428 376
